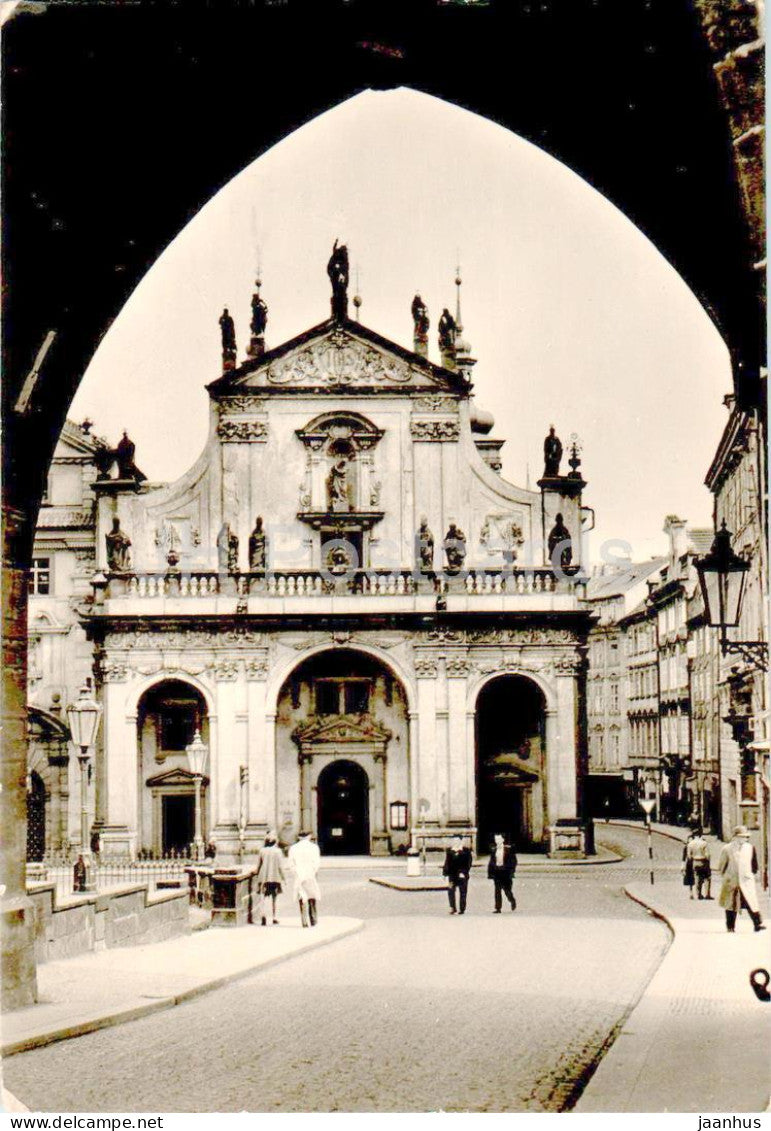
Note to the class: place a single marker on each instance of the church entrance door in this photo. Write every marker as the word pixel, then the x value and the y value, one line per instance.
pixel 510 763
pixel 343 809
pixel 178 823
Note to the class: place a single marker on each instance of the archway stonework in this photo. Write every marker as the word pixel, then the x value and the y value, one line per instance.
pixel 309 735
pixel 452 667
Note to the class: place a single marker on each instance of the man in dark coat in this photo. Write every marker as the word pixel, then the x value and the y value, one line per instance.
pixel 501 869
pixel 457 869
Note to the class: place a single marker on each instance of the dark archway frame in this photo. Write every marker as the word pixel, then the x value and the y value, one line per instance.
pixel 122 121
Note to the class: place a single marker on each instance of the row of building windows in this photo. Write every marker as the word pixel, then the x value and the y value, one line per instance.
pixel 643 738
pixel 642 682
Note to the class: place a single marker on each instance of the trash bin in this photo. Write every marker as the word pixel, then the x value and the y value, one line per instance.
pixel 413 863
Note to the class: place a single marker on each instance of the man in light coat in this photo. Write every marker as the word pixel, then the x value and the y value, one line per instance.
pixel 738 864
pixel 305 858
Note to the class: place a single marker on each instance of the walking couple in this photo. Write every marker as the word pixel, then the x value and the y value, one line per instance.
pixel 500 869
pixel 304 859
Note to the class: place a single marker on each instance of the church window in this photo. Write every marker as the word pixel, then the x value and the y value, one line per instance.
pixel 177 725
pixel 39 580
pixel 342 696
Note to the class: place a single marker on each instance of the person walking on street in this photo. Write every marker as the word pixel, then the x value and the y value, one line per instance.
pixel 270 875
pixel 739 865
pixel 688 864
pixel 305 858
pixel 501 869
pixel 697 853
pixel 457 869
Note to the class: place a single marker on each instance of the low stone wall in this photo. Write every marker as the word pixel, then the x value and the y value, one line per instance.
pixel 126 916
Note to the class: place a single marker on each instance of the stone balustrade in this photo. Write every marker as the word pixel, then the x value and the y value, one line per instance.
pixel 318 583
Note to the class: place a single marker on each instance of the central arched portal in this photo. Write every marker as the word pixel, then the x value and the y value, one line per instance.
pixel 342 795
pixel 511 762
pixel 342 754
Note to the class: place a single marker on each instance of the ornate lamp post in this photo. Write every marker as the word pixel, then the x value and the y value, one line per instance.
pixel 83 717
pixel 722 574
pixel 197 753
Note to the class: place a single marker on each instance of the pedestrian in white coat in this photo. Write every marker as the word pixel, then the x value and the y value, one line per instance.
pixel 305 858
pixel 739 864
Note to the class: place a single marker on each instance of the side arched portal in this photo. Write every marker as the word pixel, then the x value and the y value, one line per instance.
pixel 511 762
pixel 168 716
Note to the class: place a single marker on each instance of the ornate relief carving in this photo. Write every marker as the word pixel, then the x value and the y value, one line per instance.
pixel 149 639
pixel 257 667
pixel 425 667
pixel 569 665
pixel 112 672
pixel 435 402
pixel 502 533
pixel 444 636
pixel 226 670
pixel 243 431
pixel 338 359
pixel 241 404
pixel 436 430
pixel 521 636
pixel 457 667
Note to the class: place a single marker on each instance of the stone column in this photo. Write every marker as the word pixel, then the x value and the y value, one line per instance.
pixel 561 752
pixel 426 753
pixel 457 755
pixel 19 982
pixel 260 756
pixel 413 813
pixel 119 787
pixel 224 790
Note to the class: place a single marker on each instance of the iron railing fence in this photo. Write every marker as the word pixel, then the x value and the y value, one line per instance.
pixel 116 871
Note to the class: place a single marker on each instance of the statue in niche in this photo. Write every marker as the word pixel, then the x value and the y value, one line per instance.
pixel 560 545
pixel 118 549
pixel 338 487
pixel 337 269
pixel 124 454
pixel 227 550
pixel 447 330
pixel 259 315
pixel 257 542
pixel 228 330
pixel 455 548
pixel 425 546
pixel 552 454
pixel 420 318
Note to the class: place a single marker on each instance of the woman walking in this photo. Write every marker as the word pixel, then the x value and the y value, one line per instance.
pixel 270 875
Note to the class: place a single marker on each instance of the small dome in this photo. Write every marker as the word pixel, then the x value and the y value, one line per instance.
pixel 481 421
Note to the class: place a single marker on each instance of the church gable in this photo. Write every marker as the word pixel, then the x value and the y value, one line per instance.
pixel 337 356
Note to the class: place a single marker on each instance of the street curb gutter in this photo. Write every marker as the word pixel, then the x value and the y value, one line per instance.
pixel 121 1016
pixel 654 911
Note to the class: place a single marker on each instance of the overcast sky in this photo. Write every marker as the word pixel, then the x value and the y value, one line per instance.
pixel 574 316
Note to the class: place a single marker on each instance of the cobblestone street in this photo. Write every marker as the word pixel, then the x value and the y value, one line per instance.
pixel 421 1011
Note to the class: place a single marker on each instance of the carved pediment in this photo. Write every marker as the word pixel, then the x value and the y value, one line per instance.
pixel 174 778
pixel 336 730
pixel 338 355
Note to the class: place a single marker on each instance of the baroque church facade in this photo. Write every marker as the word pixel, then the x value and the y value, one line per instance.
pixel 377 638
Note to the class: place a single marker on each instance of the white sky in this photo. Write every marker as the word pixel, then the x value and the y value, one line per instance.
pixel 574 316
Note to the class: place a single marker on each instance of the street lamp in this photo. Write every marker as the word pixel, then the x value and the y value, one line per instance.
pixel 197 753
pixel 722 575
pixel 647 804
pixel 83 717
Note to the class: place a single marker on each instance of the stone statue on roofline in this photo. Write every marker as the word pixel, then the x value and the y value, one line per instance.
pixel 552 455
pixel 337 269
pixel 228 331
